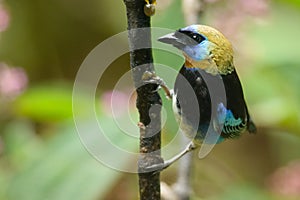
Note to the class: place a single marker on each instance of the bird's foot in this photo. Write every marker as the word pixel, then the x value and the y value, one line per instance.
pixel 141 125
pixel 161 166
pixel 155 168
pixel 151 77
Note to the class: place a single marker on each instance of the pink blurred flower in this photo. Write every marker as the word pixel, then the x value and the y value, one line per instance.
pixel 286 180
pixel 4 18
pixel 13 81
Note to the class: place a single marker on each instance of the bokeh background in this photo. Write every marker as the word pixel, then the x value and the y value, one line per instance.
pixel 42 45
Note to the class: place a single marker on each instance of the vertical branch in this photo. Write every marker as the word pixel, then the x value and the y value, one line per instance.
pixel 148 101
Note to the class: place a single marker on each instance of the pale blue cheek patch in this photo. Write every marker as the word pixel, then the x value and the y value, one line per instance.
pixel 198 52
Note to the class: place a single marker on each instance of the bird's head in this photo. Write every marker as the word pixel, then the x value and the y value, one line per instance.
pixel 203 47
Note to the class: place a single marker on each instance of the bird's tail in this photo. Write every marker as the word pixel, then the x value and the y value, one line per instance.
pixel 251 128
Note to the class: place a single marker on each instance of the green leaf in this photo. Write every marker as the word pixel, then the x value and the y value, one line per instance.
pixel 51 102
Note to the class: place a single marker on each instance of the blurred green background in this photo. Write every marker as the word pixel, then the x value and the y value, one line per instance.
pixel 42 45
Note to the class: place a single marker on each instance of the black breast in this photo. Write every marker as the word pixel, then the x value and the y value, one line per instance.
pixel 199 94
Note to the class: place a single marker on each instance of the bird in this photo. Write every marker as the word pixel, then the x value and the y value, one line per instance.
pixel 207 98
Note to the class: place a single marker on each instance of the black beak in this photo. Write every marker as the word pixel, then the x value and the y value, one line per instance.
pixel 168 39
pixel 177 39
pixel 173 39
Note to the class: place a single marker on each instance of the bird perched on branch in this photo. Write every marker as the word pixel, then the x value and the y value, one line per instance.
pixel 207 97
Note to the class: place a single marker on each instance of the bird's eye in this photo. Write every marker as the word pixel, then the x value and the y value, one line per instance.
pixel 197 37
pixel 194 36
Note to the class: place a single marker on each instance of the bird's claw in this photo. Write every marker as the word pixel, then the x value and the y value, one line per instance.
pixel 151 78
pixel 141 125
pixel 148 75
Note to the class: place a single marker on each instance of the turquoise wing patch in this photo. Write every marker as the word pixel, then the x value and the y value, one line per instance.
pixel 230 126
